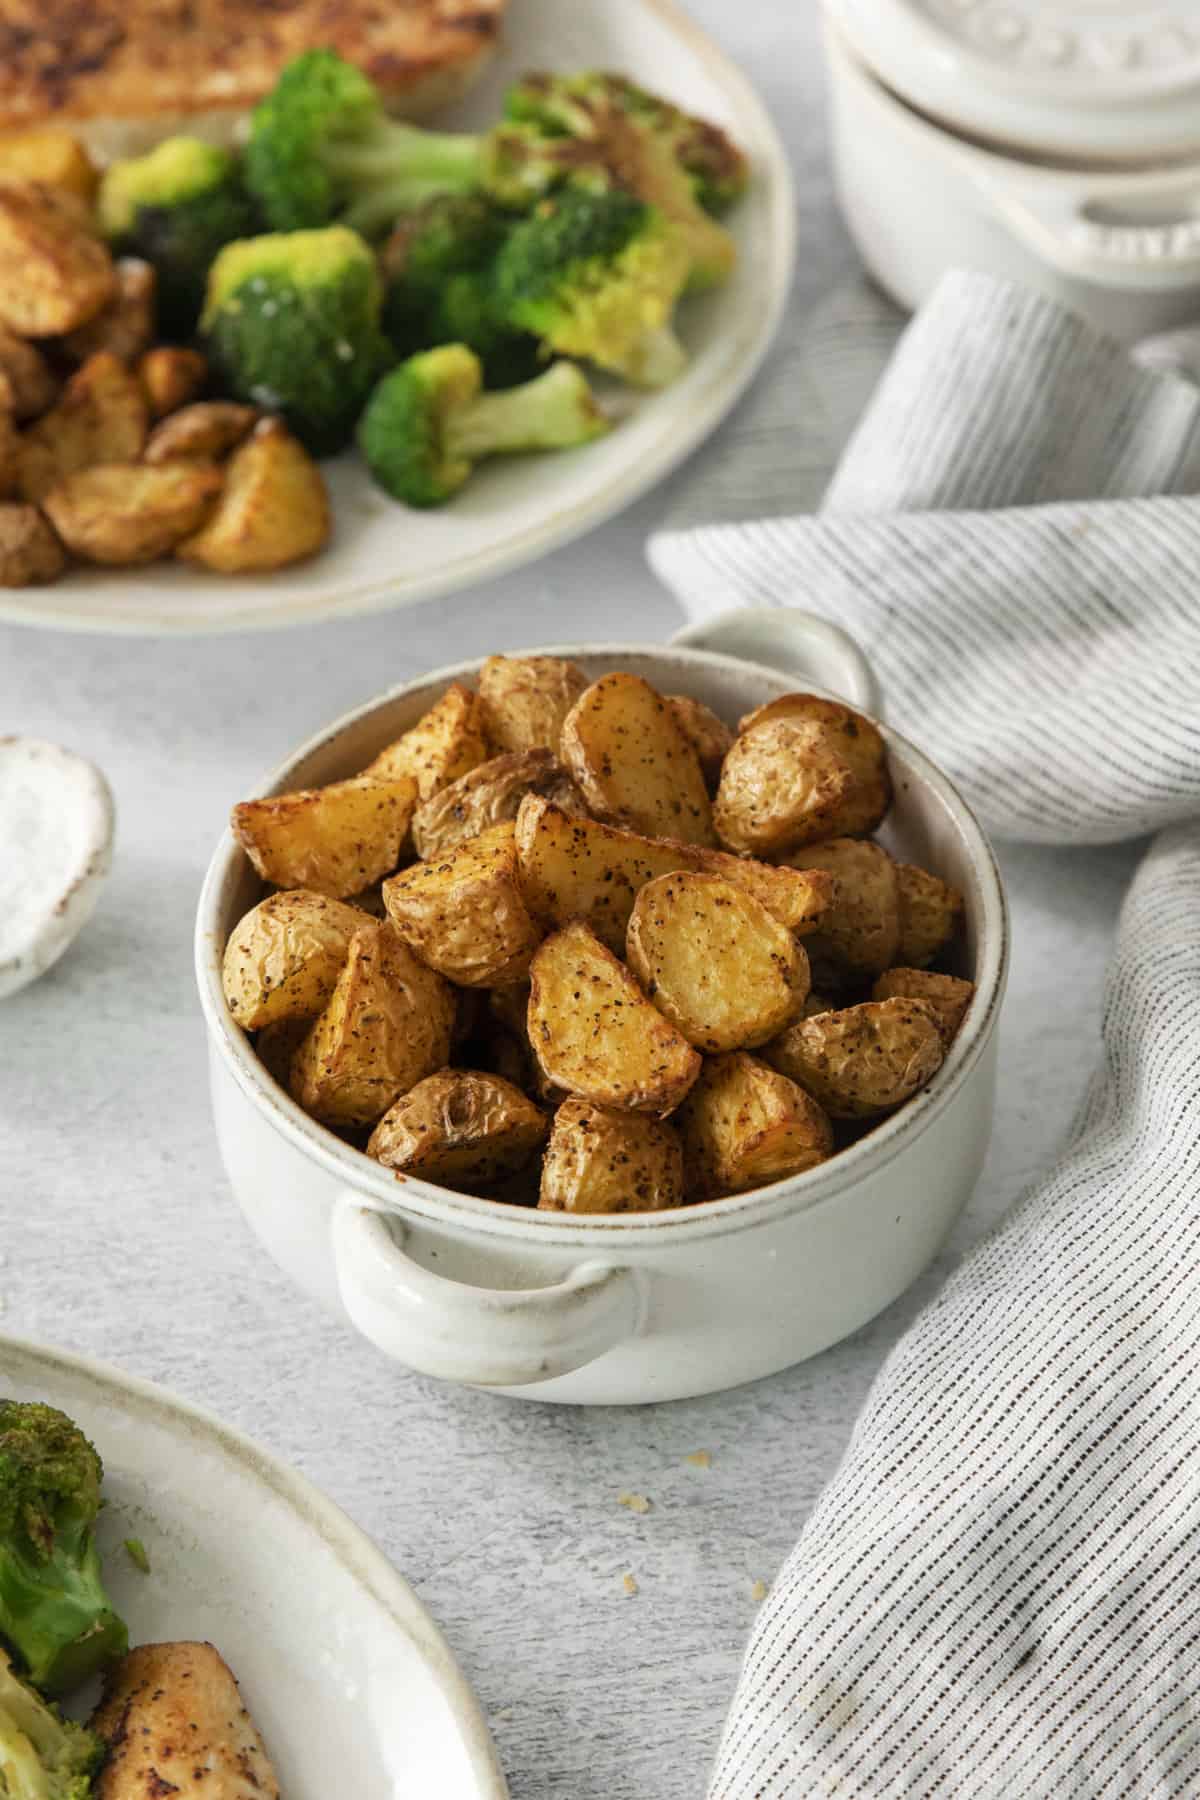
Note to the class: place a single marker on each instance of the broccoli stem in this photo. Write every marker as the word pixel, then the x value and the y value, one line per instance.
pixel 657 360
pixel 398 167
pixel 553 412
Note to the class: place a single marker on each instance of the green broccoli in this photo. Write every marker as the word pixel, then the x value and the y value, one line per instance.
pixel 42 1756
pixel 176 207
pixel 429 421
pixel 54 1611
pixel 292 324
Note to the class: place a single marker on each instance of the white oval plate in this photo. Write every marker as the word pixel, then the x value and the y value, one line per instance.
pixel 515 509
pixel 349 1680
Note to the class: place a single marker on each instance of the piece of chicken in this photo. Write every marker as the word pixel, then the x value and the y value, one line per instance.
pixel 175 1723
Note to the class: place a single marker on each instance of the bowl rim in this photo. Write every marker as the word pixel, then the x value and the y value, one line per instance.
pixel 394 1193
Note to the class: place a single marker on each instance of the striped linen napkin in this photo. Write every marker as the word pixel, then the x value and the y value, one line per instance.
pixel 998 1595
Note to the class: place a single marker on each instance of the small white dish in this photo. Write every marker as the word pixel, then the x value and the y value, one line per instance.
pixel 56 836
pixel 350 1682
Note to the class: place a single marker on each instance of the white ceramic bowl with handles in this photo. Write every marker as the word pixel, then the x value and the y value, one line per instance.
pixel 640 1307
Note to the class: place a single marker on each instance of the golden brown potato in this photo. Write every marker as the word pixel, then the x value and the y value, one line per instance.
pixel 465 914
pixel 596 1035
pixel 447 743
pixel 859 744
pixel 864 1059
pixel 930 911
pixel 176 1723
pixel 709 736
pixel 336 840
pixel 633 764
pixel 27 382
pixel 714 961
pixel 47 154
pixel 387 1026
pixel 128 513
pixel 284 956
pixel 490 794
pixel 459 1128
pixel 526 698
pixel 209 429
pixel 744 1125
pixel 599 1161
pixel 125 324
pixel 54 274
pixel 946 994
pixel 29 551
pixel 274 509
pixel 860 935
pixel 782 785
pixel 170 377
pixel 100 417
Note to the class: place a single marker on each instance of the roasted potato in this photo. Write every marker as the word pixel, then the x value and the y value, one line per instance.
pixel 526 698
pixel 595 1033
pixel 930 911
pixel 29 551
pixel 448 742
pixel 860 934
pixel 284 956
pixel 273 511
pixel 124 324
pixel 599 1161
pixel 460 1128
pixel 632 762
pixel 54 274
pixel 128 513
pixel 946 994
pixel 709 736
pixel 714 961
pixel 744 1124
pixel 490 794
pixel 387 1026
pixel 209 430
pixel 100 417
pixel 782 785
pixel 859 744
pixel 862 1060
pixel 170 377
pixel 465 913
pixel 336 840
pixel 47 154
pixel 28 385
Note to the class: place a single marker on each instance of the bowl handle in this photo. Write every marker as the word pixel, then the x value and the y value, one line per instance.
pixel 784 637
pixel 489 1337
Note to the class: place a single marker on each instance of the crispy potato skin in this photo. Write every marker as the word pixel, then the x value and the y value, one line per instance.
pixel 337 840
pixel 863 1060
pixel 387 1026
pixel 598 1161
pixel 783 784
pixel 447 743
pixel 125 324
pixel 860 935
pixel 461 1128
pixel 284 956
pixel 946 994
pixel 744 1125
pixel 170 377
pixel 53 157
pixel 29 551
pixel 54 274
pixel 632 762
pixel 525 700
pixel 207 429
pixel 595 1033
pixel 273 510
pixel 128 513
pixel 28 385
pixel 100 417
pixel 714 961
pixel 859 744
pixel 465 914
pixel 709 736
pixel 930 911
pixel 490 794
pixel 170 1710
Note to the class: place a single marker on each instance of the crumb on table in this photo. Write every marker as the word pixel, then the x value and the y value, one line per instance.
pixel 629 1584
pixel 637 1503
pixel 701 1458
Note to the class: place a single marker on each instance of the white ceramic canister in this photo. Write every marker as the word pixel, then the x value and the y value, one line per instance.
pixel 1057 145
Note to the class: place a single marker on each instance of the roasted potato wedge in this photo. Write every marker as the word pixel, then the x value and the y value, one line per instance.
pixel 336 840
pixel 595 1033
pixel 709 736
pixel 125 324
pixel 47 154
pixel 170 377
pixel 860 935
pixel 714 961
pixel 273 511
pixel 447 743
pixel 465 913
pixel 930 911
pixel 387 1026
pixel 599 1161
pixel 525 700
pixel 782 785
pixel 28 385
pixel 859 744
pixel 100 417
pixel 946 994
pixel 633 763
pixel 54 274
pixel 744 1125
pixel 862 1060
pixel 208 430
pixel 29 551
pixel 490 794
pixel 128 513
pixel 284 956
pixel 461 1128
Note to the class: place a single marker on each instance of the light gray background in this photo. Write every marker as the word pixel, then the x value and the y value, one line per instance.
pixel 120 1237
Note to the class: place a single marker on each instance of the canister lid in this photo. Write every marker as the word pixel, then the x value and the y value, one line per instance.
pixel 1116 81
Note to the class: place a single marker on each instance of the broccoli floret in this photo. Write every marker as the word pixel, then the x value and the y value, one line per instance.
pixel 42 1756
pixel 429 422
pixel 292 324
pixel 176 207
pixel 54 1611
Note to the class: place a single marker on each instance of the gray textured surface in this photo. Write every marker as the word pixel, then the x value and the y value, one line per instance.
pixel 120 1237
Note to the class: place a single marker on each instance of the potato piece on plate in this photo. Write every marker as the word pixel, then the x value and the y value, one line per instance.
pixel 709 736
pixel 465 913
pixel 715 962
pixel 29 551
pixel 28 384
pixel 598 1161
pixel 284 956
pixel 946 994
pixel 100 417
pixel 129 513
pixel 632 762
pixel 461 1129
pixel 930 912
pixel 274 509
pixel 54 273
pixel 448 742
pixel 596 1034
pixel 859 743
pixel 337 840
pixel 387 1026
pixel 744 1125
pixel 526 698
pixel 125 324
pixel 860 935
pixel 50 155
pixel 862 1060
pixel 209 430
pixel 170 377
pixel 487 795
pixel 784 784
